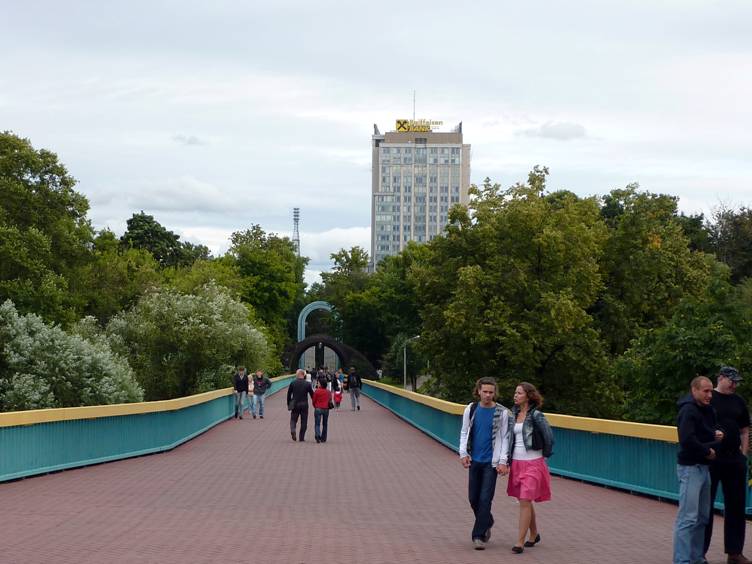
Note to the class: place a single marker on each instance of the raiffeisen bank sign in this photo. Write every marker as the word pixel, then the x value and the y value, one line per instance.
pixel 423 125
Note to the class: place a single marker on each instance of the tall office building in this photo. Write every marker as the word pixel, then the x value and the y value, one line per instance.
pixel 417 175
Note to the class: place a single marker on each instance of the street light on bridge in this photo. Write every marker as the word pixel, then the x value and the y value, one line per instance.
pixel 404 360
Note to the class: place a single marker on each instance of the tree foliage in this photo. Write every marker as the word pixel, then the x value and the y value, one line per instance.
pixel 44 232
pixel 42 366
pixel 182 344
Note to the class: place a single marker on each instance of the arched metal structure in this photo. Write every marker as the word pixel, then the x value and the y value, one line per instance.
pixel 313 306
pixel 347 355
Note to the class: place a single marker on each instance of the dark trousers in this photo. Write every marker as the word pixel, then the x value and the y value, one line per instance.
pixel 731 472
pixel 321 423
pixel 302 412
pixel 481 489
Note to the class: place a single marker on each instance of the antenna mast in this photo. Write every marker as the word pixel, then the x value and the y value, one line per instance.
pixel 295 232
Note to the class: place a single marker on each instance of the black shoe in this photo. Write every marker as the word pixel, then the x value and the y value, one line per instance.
pixel 533 542
pixel 292 434
pixel 487 536
pixel 517 549
pixel 261 416
pixel 318 440
pixel 254 417
pixel 240 417
pixel 358 408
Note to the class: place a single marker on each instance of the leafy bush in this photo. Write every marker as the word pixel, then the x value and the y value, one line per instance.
pixel 182 344
pixel 42 366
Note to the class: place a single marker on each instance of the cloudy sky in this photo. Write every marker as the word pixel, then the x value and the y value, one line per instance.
pixel 212 116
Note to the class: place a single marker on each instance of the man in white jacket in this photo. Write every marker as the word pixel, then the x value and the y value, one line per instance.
pixel 484 448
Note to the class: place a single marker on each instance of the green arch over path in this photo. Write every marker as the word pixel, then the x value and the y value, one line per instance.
pixel 313 306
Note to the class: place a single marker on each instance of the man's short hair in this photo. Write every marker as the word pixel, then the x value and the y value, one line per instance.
pixel 484 381
pixel 697 382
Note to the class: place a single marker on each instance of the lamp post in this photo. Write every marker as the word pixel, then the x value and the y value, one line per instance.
pixel 404 360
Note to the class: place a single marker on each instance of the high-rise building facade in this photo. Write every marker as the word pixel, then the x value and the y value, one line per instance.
pixel 417 175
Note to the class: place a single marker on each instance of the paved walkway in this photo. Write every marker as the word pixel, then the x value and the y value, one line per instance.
pixel 377 492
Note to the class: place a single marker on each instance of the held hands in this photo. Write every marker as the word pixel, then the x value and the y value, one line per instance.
pixel 711 455
pixel 465 460
pixel 502 469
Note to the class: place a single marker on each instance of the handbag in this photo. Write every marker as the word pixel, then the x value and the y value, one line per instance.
pixel 331 404
pixel 538 441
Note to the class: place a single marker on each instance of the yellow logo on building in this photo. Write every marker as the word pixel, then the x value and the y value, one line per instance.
pixel 419 125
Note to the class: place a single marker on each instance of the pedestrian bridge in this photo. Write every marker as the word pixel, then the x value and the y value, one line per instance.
pixel 384 488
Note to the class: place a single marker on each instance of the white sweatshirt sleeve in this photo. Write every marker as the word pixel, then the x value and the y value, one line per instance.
pixel 464 433
pixel 501 441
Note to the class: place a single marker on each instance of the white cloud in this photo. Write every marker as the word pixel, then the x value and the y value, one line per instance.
pixel 561 131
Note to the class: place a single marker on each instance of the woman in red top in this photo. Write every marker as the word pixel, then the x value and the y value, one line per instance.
pixel 321 398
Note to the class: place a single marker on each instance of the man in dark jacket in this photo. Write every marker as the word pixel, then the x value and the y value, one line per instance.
pixel 261 385
pixel 354 384
pixel 297 403
pixel 730 466
pixel 698 442
pixel 240 385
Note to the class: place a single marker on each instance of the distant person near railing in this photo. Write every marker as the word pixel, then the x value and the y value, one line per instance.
pixel 484 446
pixel 240 385
pixel 354 384
pixel 261 385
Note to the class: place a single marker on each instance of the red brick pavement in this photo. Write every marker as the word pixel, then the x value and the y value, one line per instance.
pixel 377 492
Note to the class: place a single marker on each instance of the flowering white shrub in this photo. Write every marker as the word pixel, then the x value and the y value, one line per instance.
pixel 181 344
pixel 43 366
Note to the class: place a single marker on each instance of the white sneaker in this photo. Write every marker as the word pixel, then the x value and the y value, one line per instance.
pixel 479 544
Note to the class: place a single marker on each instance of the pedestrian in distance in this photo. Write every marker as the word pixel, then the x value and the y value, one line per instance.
pixel 531 442
pixel 699 441
pixel 729 469
pixel 240 390
pixel 261 386
pixel 322 398
pixel 297 403
pixel 484 446
pixel 354 384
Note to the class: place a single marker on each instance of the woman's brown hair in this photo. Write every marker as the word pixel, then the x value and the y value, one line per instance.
pixel 533 395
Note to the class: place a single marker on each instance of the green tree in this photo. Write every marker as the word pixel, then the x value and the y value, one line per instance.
pixel 507 291
pixel 703 334
pixel 273 277
pixel 42 366
pixel 115 278
pixel 145 232
pixel 44 232
pixel 182 344
pixel 731 237
pixel 648 264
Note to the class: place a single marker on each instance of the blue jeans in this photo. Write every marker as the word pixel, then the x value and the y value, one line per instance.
pixel 481 489
pixel 240 403
pixel 258 405
pixel 321 416
pixel 694 513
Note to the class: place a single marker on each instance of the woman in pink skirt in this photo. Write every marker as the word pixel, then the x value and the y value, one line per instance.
pixel 529 479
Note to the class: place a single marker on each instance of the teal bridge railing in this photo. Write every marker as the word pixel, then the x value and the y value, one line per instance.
pixel 634 457
pixel 48 440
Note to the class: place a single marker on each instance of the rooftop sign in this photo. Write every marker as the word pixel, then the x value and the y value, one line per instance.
pixel 421 125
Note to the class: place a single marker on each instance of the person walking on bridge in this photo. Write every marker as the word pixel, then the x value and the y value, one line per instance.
pixel 297 403
pixel 322 400
pixel 354 384
pixel 261 385
pixel 240 385
pixel 531 442
pixel 484 447
pixel 698 444
pixel 730 466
